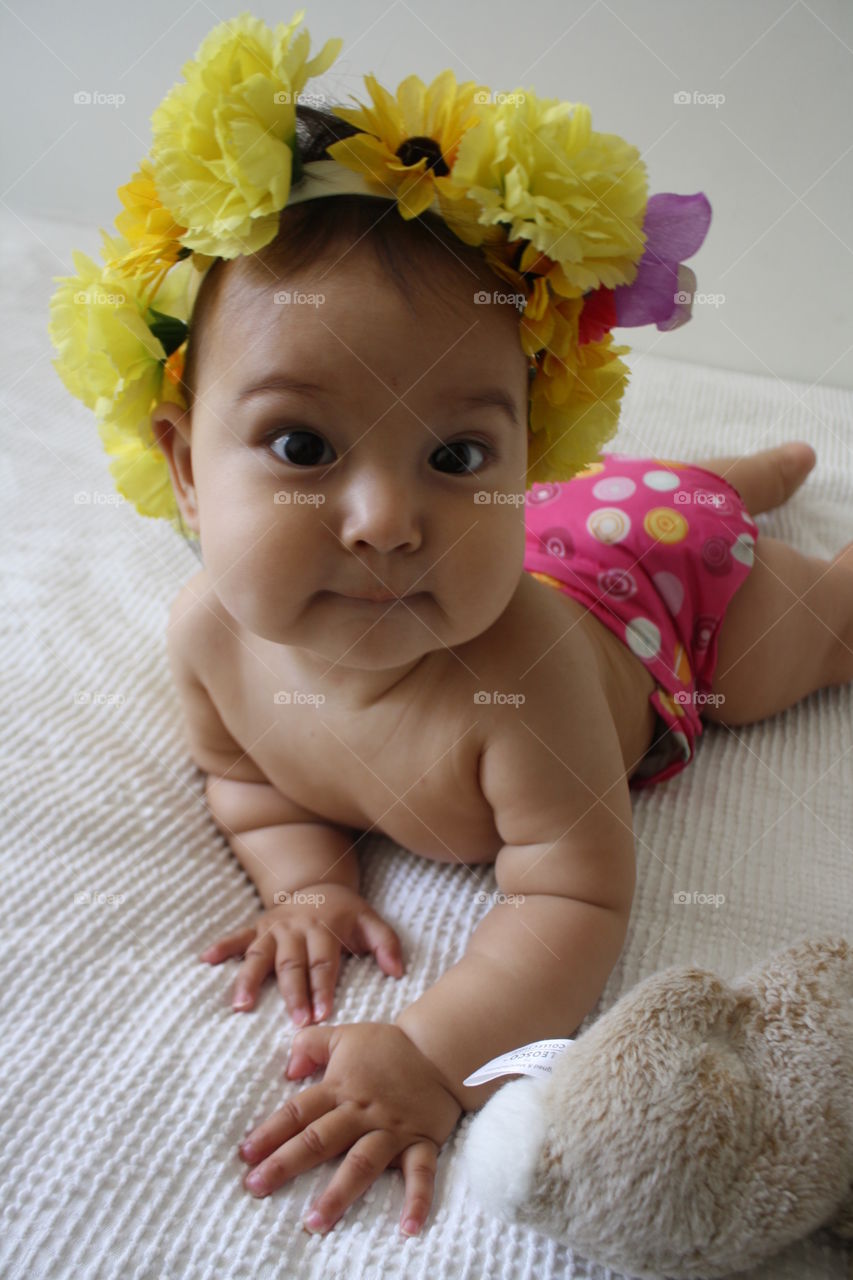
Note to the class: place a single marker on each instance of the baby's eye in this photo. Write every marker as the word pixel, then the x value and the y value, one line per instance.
pixel 455 454
pixel 301 447
pixel 304 448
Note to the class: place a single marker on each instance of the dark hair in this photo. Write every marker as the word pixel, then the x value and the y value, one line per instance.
pixel 409 251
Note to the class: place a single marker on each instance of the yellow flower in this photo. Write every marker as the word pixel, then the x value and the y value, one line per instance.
pixel 408 143
pixel 574 410
pixel 148 227
pixel 109 358
pixel 537 167
pixel 221 150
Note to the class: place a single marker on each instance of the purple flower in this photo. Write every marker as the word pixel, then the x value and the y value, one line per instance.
pixel 662 293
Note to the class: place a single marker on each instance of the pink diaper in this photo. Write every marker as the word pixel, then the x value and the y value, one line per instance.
pixel 655 549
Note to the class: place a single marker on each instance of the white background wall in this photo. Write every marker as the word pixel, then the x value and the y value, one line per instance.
pixel 775 157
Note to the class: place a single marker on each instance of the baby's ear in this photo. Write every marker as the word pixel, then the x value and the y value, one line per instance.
pixel 170 426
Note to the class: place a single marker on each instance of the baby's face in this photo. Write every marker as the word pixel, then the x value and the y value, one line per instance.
pixel 306 496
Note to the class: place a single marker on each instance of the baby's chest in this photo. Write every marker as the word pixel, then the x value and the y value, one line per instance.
pixel 412 776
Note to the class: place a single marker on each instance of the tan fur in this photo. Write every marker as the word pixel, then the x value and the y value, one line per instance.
pixel 699 1126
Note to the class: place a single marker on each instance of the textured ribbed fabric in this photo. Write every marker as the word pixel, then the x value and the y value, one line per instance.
pixel 127 1081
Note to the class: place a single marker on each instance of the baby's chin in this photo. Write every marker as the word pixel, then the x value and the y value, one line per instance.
pixel 365 635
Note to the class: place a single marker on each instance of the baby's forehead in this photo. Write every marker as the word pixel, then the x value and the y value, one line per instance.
pixel 351 283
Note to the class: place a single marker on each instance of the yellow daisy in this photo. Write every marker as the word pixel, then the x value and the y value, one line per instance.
pixel 408 143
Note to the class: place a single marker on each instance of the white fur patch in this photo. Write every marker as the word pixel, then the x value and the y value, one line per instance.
pixel 502 1146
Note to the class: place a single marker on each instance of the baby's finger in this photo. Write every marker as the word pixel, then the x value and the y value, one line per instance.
pixel 324 959
pixel 418 1163
pixel 364 1162
pixel 234 945
pixel 290 973
pixel 375 935
pixel 255 967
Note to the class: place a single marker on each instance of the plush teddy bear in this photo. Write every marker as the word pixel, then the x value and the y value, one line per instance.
pixel 695 1129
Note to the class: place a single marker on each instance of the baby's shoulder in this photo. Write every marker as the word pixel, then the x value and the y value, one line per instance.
pixel 549 739
pixel 538 664
pixel 196 628
pixel 538 641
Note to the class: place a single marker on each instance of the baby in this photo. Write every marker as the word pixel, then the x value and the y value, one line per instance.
pixel 389 634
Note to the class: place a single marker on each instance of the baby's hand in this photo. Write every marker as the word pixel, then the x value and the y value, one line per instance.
pixel 304 934
pixel 380 1102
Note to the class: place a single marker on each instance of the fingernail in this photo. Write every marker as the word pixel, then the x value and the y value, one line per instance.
pixel 314 1221
pixel 255 1182
pixel 302 1015
pixel 242 1001
pixel 410 1227
pixel 246 1150
pixel 321 1009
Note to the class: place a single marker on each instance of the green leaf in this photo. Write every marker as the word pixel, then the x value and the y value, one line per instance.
pixel 168 329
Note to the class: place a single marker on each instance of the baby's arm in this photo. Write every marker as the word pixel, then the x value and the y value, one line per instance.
pixel 280 853
pixel 534 967
pixel 305 870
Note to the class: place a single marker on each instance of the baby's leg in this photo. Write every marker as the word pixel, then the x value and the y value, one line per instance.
pixel 768 478
pixel 788 631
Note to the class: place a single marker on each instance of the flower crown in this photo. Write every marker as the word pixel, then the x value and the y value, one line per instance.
pixel 559 211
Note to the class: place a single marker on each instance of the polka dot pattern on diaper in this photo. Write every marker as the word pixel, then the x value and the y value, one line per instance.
pixel 558 542
pixel 654 549
pixel 609 524
pixel 617 583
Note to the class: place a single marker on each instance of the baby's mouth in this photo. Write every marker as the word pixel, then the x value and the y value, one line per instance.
pixel 377 597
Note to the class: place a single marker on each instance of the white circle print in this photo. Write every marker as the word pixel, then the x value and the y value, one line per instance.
pixel 743 549
pixel 643 638
pixel 672 590
pixel 661 481
pixel 613 489
pixel 608 524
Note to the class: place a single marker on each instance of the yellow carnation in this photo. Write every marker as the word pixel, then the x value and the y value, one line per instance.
pixel 574 410
pixel 109 358
pixel 221 150
pixel 537 167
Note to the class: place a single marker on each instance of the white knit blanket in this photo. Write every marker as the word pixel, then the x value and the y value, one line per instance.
pixel 127 1080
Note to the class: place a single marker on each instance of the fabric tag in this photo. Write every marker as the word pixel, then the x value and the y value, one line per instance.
pixel 534 1059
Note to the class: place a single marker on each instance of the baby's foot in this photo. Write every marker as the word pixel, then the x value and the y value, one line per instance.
pixel 795 458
